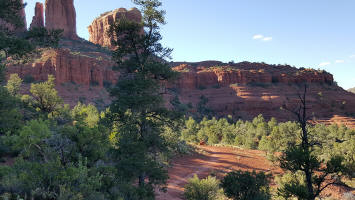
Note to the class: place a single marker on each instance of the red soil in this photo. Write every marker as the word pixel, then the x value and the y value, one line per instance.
pixel 215 160
pixel 219 161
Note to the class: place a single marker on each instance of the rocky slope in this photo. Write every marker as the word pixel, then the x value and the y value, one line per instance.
pixel 100 26
pixel 60 14
pixel 243 90
pixel 352 90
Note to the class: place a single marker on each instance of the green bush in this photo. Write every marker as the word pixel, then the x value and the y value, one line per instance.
pixel 203 189
pixel 241 185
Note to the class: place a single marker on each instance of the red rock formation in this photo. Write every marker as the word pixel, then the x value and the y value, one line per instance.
pixel 243 90
pixel 197 77
pixel 99 27
pixel 68 68
pixel 60 14
pixel 38 19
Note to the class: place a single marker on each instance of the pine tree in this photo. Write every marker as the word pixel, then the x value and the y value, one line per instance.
pixel 138 112
pixel 316 175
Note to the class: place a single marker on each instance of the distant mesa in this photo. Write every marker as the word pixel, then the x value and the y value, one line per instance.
pixel 38 19
pixel 352 90
pixel 100 26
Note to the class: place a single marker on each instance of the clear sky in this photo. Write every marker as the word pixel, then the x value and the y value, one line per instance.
pixel 302 33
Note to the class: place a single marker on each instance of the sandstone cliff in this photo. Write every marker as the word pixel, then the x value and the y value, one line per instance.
pixel 60 14
pixel 99 27
pixel 243 90
pixel 246 73
pixel 69 67
pixel 38 19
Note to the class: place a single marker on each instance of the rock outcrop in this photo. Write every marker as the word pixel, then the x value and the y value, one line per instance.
pixel 222 76
pixel 99 27
pixel 60 14
pixel 38 18
pixel 211 88
pixel 69 67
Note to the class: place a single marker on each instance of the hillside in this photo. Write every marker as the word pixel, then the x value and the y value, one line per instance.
pixel 244 90
pixel 352 90
pixel 84 70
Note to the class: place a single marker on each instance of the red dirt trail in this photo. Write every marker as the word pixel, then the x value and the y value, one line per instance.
pixel 216 160
pixel 219 161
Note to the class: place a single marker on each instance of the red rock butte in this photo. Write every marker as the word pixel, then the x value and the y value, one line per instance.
pixel 100 26
pixel 60 14
pixel 38 18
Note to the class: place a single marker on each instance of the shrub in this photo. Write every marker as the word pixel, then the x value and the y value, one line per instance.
pixel 246 185
pixel 14 84
pixel 203 189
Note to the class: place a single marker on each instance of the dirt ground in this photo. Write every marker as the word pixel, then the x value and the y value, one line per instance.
pixel 218 161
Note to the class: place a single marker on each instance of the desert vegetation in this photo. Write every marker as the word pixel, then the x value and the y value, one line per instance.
pixel 51 151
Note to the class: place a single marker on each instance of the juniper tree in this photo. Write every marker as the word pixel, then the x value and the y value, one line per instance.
pixel 301 158
pixel 138 112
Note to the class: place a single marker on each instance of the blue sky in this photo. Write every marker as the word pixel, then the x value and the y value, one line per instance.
pixel 302 33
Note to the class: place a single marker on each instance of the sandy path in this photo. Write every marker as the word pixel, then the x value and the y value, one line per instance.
pixel 216 160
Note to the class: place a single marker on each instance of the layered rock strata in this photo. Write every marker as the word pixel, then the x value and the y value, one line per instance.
pixel 68 67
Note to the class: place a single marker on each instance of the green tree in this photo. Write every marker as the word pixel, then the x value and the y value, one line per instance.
pixel 241 185
pixel 88 114
pixel 137 112
pixel 302 158
pixel 45 96
pixel 189 133
pixel 203 189
pixel 14 84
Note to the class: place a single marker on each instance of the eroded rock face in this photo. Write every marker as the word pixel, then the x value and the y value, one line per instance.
pixel 243 90
pixel 38 19
pixel 69 67
pixel 99 27
pixel 222 76
pixel 60 14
